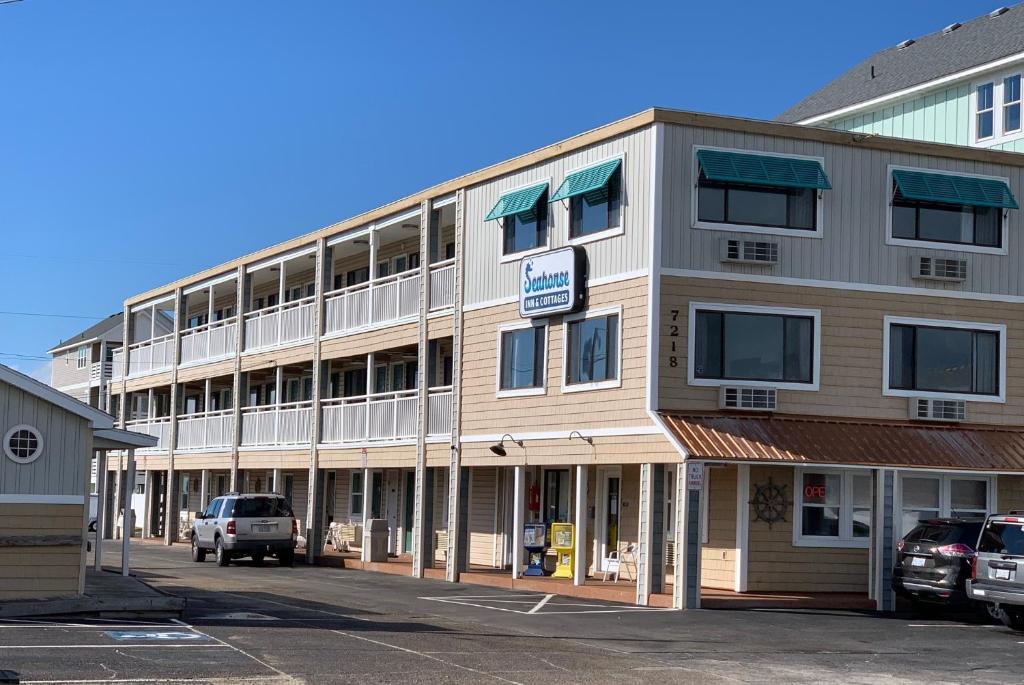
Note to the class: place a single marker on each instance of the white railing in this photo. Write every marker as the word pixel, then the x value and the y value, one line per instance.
pixel 280 324
pixel 118 361
pixel 160 428
pixel 100 371
pixel 209 341
pixel 209 430
pixel 374 303
pixel 381 416
pixel 442 285
pixel 151 356
pixel 439 411
pixel 285 424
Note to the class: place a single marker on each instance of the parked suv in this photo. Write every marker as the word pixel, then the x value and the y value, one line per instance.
pixel 998 574
pixel 933 562
pixel 236 525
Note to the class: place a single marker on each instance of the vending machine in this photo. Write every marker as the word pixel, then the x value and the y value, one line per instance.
pixel 563 543
pixel 533 543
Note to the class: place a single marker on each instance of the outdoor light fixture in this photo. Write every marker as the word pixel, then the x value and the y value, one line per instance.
pixel 411 227
pixel 499 448
pixel 589 441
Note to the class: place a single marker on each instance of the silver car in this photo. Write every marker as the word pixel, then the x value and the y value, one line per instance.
pixel 238 525
pixel 998 573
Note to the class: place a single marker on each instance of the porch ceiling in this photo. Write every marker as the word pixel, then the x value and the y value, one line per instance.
pixel 806 441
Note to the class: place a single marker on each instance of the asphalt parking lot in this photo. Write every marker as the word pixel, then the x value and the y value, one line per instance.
pixel 252 623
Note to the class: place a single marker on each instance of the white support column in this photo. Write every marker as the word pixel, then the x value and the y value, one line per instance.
pixel 686 594
pixel 102 485
pixel 276 484
pixel 150 405
pixel 147 506
pixel 369 391
pixel 279 391
pixel 207 391
pixel 126 523
pixel 364 549
pixel 518 518
pixel 742 525
pixel 118 497
pixel 579 572
pixel 204 489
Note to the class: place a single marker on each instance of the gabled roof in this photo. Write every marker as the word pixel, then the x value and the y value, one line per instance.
pixel 974 44
pixel 94 416
pixel 91 333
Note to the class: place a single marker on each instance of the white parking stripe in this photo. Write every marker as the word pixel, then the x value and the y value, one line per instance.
pixel 152 645
pixel 540 605
pixel 242 652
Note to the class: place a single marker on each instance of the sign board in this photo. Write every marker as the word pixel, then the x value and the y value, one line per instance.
pixel 553 282
pixel 694 476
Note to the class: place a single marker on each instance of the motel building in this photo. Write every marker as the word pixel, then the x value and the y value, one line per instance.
pixel 741 357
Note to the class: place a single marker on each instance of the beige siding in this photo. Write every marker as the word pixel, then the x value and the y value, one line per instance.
pixel 40 571
pixel 851 347
pixel 1009 493
pixel 776 565
pixel 64 369
pixel 484 538
pixel 718 555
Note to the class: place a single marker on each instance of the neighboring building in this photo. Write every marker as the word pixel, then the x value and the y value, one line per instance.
pixel 765 376
pixel 82 365
pixel 48 441
pixel 960 85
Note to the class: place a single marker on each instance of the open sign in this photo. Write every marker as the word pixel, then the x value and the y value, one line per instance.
pixel 814 492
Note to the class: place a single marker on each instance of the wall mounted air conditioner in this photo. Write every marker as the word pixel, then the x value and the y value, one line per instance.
pixel 939 269
pixel 748 399
pixel 760 252
pixel 924 409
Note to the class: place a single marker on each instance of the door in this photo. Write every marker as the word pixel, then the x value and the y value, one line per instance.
pixel 608 514
pixel 329 495
pixel 394 481
pixel 410 504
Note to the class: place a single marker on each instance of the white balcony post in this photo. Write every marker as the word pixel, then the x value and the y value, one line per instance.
pixel 373 274
pixel 369 391
pixel 364 550
pixel 207 388
pixel 279 384
pixel 280 302
pixel 204 488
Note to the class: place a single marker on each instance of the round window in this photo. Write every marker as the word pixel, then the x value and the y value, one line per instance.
pixel 23 444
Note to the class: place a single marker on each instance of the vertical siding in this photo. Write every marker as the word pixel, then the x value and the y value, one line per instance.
pixel 942 116
pixel 67 442
pixel 483 536
pixel 852 245
pixel 487 279
pixel 718 555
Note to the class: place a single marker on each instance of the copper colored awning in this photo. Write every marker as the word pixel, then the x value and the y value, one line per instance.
pixel 806 441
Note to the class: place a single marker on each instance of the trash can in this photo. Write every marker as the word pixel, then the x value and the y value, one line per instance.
pixel 375 538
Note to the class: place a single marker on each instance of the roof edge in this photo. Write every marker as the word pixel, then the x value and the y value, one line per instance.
pixel 98 419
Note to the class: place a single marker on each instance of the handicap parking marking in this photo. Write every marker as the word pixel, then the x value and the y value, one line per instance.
pixel 539 605
pixel 158 635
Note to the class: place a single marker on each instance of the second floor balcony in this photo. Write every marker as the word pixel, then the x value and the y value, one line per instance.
pixel 281 324
pixel 206 430
pixel 158 427
pixel 100 372
pixel 279 425
pixel 210 341
pixel 146 357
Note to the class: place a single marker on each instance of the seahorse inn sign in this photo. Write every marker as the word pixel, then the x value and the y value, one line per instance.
pixel 552 282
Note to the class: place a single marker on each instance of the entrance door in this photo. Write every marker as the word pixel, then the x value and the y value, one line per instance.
pixel 393 481
pixel 608 508
pixel 410 497
pixel 330 485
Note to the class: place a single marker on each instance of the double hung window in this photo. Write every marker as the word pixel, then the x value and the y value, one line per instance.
pixel 592 350
pixel 833 508
pixel 522 358
pixel 944 359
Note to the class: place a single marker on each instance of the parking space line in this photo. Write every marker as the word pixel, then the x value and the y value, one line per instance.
pixel 540 605
pixel 154 645
pixel 231 646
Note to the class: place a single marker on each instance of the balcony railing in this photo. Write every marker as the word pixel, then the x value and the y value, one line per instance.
pixel 160 428
pixel 442 285
pixel 381 416
pixel 271 425
pixel 439 411
pixel 118 361
pixel 151 356
pixel 208 430
pixel 209 341
pixel 280 324
pixel 373 303
pixel 100 371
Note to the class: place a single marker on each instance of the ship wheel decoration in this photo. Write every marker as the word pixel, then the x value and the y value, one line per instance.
pixel 770 503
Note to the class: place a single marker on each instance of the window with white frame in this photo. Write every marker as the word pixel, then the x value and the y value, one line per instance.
pixel 592 350
pixel 1011 104
pixel 521 358
pixel 83 357
pixel 928 358
pixel 926 496
pixel 833 508
pixel 526 230
pixel 356 494
pixel 756 345
pixel 984 117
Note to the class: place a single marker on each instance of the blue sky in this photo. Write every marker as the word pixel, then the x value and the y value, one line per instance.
pixel 144 141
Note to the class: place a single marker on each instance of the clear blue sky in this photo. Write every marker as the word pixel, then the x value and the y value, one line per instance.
pixel 144 141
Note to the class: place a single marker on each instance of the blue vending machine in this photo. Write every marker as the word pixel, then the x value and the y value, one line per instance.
pixel 533 543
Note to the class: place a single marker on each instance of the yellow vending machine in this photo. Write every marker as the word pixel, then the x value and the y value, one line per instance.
pixel 562 542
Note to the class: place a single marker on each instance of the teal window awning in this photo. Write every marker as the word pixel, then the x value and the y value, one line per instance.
pixel 765 170
pixel 967 191
pixel 517 202
pixel 586 180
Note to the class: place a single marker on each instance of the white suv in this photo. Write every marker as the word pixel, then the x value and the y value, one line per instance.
pixel 237 525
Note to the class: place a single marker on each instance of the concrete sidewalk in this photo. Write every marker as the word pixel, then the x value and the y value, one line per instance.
pixel 106 593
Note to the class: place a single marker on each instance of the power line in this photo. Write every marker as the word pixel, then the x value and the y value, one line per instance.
pixel 27 357
pixel 57 316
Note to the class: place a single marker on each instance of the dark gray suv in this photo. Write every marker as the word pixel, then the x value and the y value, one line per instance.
pixel 238 525
pixel 998 573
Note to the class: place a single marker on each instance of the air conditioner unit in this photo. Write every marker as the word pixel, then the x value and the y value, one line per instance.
pixel 760 252
pixel 939 269
pixel 749 399
pixel 925 409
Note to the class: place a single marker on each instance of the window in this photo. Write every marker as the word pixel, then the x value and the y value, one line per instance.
pixel 946 223
pixel 23 444
pixel 526 230
pixel 213 508
pixel 83 357
pixel 943 359
pixel 289 486
pixel 833 508
pixel 1011 104
pixel 557 486
pixel 357 276
pixel 183 494
pixel 592 348
pixel 522 358
pixel 926 497
pixel 750 346
pixel 983 120
pixel 449 251
pixel 597 210
pixel 383 269
pixel 1000 537
pixel 735 203
pixel 356 494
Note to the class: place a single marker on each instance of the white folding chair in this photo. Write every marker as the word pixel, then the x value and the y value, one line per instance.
pixel 619 559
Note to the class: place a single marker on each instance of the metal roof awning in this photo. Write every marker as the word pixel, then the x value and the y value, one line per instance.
pixel 968 191
pixel 766 170
pixel 586 180
pixel 517 202
pixel 847 442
